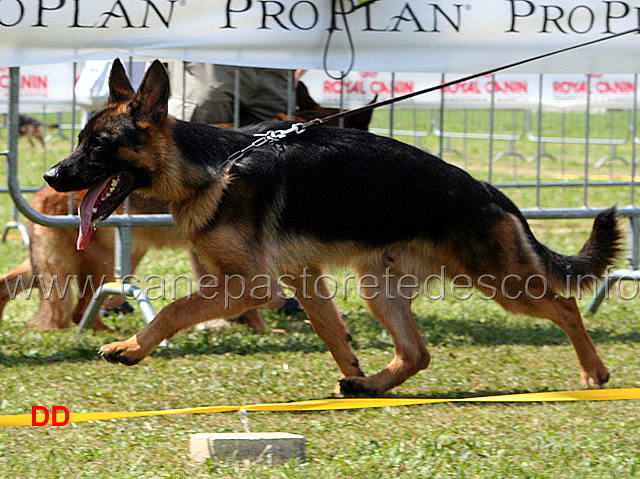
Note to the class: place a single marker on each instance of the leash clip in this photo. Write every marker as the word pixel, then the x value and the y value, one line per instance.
pixel 270 136
pixel 275 135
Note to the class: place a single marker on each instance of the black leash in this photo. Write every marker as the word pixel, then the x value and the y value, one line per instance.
pixel 277 135
pixel 346 113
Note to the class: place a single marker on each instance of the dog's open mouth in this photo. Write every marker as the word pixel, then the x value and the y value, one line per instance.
pixel 100 201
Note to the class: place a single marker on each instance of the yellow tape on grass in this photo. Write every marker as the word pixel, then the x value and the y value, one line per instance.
pixel 329 404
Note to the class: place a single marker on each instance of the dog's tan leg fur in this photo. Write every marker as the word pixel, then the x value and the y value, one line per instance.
pixel 52 267
pixel 391 306
pixel 325 319
pixel 564 313
pixel 10 283
pixel 252 318
pixel 188 311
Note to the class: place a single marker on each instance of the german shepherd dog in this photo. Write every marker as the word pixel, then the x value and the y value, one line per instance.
pixel 325 196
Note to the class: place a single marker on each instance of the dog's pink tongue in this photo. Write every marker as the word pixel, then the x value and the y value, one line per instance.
pixel 85 211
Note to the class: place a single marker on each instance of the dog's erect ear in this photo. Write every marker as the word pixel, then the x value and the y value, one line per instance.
pixel 119 87
pixel 150 103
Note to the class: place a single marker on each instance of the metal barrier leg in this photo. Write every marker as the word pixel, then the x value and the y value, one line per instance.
pixel 633 241
pixel 15 224
pixel 612 157
pixel 610 281
pixel 93 310
pixel 510 152
pixel 613 154
pixel 22 229
pixel 542 154
pixel 122 257
pixel 602 292
pixel 125 289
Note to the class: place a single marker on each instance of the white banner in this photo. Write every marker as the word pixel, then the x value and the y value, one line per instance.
pixel 42 87
pixel 606 91
pixel 509 90
pixel 50 88
pixel 388 35
pixel 92 87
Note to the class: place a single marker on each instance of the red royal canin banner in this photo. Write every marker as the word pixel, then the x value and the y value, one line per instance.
pixel 559 91
pixel 42 87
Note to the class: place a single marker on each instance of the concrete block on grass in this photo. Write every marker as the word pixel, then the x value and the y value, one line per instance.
pixel 270 447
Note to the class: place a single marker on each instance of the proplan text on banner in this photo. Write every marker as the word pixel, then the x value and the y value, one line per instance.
pixel 410 35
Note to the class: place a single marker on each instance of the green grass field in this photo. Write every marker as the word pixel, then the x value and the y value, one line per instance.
pixel 477 349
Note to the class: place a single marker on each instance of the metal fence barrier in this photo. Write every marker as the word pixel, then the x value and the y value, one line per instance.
pixel 122 223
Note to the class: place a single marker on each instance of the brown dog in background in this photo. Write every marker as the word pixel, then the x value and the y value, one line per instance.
pixel 308 109
pixel 54 257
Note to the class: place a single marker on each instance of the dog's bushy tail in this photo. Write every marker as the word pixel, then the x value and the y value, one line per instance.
pixel 582 271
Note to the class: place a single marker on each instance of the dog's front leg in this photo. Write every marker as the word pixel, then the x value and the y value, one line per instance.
pixel 314 296
pixel 225 298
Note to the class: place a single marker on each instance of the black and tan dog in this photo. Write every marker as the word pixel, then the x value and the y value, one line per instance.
pixel 325 196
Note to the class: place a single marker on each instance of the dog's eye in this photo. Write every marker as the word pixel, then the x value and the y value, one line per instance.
pixel 95 146
pixel 99 142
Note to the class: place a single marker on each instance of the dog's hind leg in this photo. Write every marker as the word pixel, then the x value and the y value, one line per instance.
pixel 390 304
pixel 12 283
pixel 538 300
pixel 52 264
pixel 252 319
pixel 39 137
pixel 314 296
pixel 55 309
pixel 30 137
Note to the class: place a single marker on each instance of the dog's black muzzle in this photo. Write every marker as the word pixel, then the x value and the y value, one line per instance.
pixel 52 177
pixel 69 176
pixel 60 181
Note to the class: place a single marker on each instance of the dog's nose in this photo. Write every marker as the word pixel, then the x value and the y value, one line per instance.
pixel 51 176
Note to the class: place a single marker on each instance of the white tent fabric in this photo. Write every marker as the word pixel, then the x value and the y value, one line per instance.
pixel 388 35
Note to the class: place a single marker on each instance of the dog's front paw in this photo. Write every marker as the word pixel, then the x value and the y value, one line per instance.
pixel 595 377
pixel 355 387
pixel 121 352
